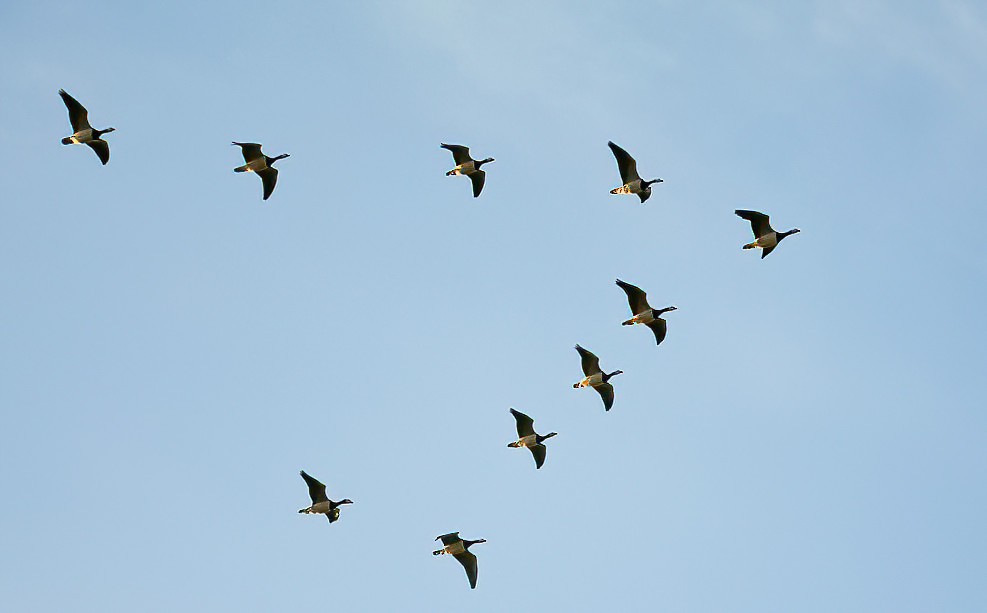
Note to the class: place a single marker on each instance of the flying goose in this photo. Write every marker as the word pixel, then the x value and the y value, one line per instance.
pixel 84 134
pixel 596 378
pixel 764 236
pixel 529 438
pixel 465 165
pixel 633 184
pixel 320 502
pixel 642 311
pixel 259 163
pixel 458 548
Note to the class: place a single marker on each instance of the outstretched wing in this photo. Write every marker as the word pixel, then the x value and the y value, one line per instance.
pixel 659 327
pixel 333 515
pixel 759 222
pixel 78 115
pixel 767 250
pixel 270 178
pixel 636 297
pixel 590 363
pixel 468 560
pixel 102 149
pixel 251 151
pixel 460 154
pixel 539 452
pixel 525 425
pixel 625 163
pixel 606 391
pixel 449 539
pixel 316 489
pixel 478 178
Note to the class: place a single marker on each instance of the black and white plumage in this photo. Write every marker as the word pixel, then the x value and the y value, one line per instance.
pixel 321 504
pixel 595 377
pixel 459 549
pixel 83 133
pixel 642 311
pixel 527 437
pixel 466 165
pixel 260 164
pixel 632 182
pixel 765 237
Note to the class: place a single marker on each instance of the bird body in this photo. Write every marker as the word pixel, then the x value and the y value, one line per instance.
pixel 83 133
pixel 633 183
pixel 260 164
pixel 321 505
pixel 458 548
pixel 765 237
pixel 642 311
pixel 595 377
pixel 467 166
pixel 527 437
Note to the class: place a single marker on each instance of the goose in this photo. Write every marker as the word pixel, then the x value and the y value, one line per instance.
pixel 320 502
pixel 764 236
pixel 84 134
pixel 458 548
pixel 257 162
pixel 465 165
pixel 642 311
pixel 633 184
pixel 596 378
pixel 529 438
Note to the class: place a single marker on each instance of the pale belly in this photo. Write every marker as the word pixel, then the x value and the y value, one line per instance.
pixel 466 168
pixel 634 187
pixel 455 548
pixel 592 380
pixel 643 318
pixel 528 441
pixel 320 507
pixel 255 165
pixel 82 137
pixel 766 241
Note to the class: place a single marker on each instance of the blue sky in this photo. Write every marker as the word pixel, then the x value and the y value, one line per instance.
pixel 809 437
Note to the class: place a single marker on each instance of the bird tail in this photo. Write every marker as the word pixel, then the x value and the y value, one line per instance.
pixel 575 386
pixel 514 444
pixel 240 169
pixel 629 322
pixel 450 173
pixel 623 189
pixel 67 140
pixel 750 245
pixel 438 552
pixel 308 510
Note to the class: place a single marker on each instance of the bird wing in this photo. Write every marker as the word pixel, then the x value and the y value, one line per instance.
pixel 525 425
pixel 78 115
pixel 478 178
pixel 333 515
pixel 606 391
pixel 659 327
pixel 759 222
pixel 625 163
pixel 644 195
pixel 251 151
pixel 270 178
pixel 449 539
pixel 767 250
pixel 539 452
pixel 102 149
pixel 636 297
pixel 468 560
pixel 591 363
pixel 460 154
pixel 316 489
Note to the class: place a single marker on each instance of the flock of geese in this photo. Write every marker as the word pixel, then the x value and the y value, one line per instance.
pixel 765 238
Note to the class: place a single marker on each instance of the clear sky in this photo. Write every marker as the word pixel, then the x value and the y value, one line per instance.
pixel 810 436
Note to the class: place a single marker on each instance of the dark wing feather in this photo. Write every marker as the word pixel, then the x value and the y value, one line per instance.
pixel 449 539
pixel 659 327
pixel 316 489
pixel 759 222
pixel 460 154
pixel 636 297
pixel 78 115
pixel 625 163
pixel 468 560
pixel 538 451
pixel 644 195
pixel 525 425
pixel 478 178
pixel 102 149
pixel 251 151
pixel 767 250
pixel 590 363
pixel 333 515
pixel 606 391
pixel 270 178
